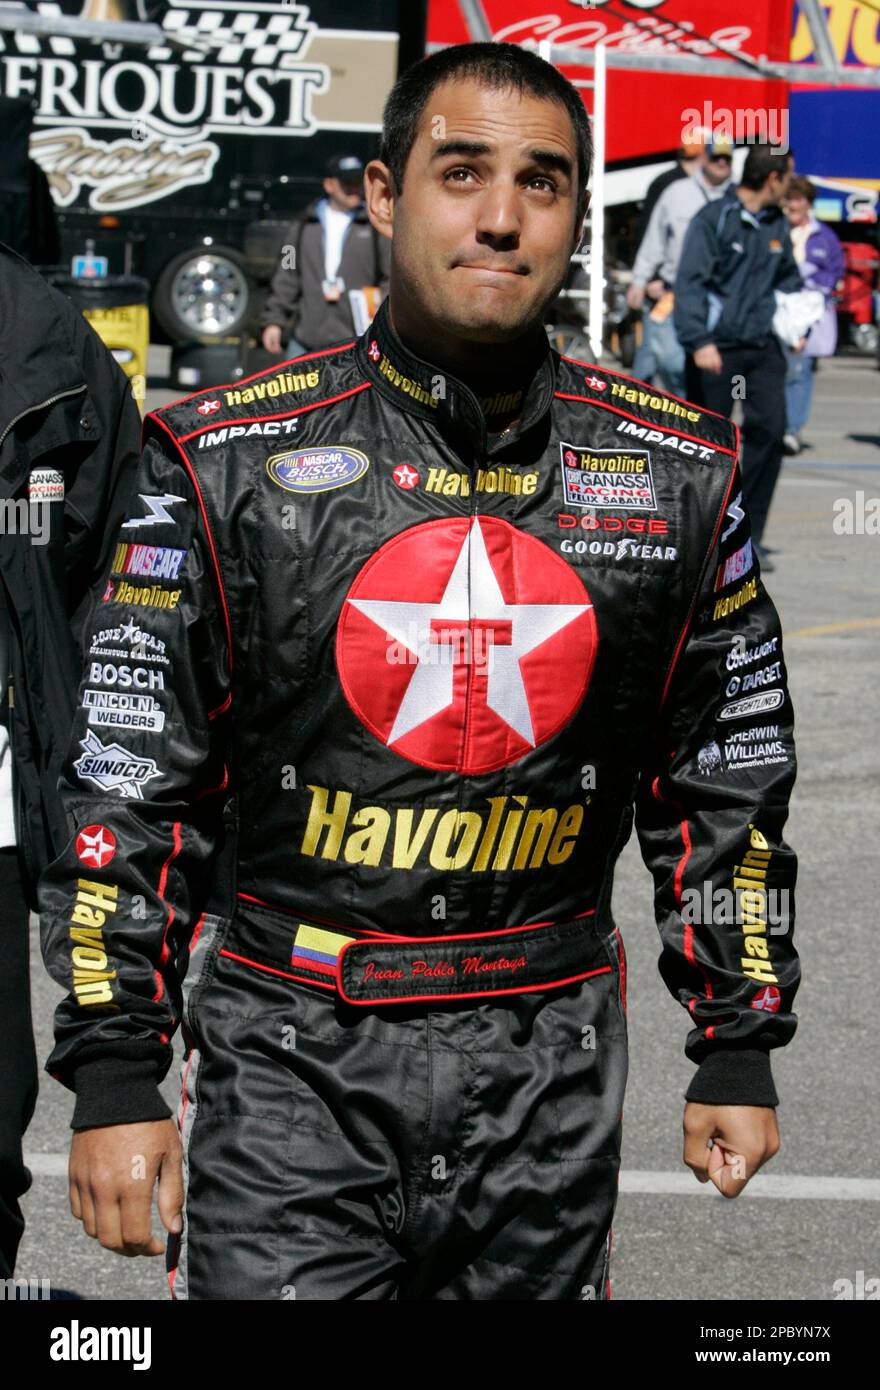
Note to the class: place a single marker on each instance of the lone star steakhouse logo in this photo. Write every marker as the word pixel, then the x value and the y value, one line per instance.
pixel 404 476
pixel 464 643
pixel 95 845
pixel 208 407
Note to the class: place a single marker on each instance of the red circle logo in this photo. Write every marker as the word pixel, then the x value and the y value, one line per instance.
pixel 96 845
pixel 464 643
pixel 404 476
pixel 767 999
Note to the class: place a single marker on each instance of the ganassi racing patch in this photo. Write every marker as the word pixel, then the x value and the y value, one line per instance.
pixel 619 478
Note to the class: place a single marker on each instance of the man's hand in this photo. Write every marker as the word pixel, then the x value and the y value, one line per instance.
pixel 743 1138
pixel 708 358
pixel 111 1174
pixel 272 337
pixel 635 296
pixel 800 345
pixel 656 289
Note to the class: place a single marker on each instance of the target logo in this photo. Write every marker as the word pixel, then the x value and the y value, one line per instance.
pixel 464 643
pixel 96 846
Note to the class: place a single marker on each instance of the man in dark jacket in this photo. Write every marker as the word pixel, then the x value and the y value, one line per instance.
pixel 737 254
pixel 69 441
pixel 332 249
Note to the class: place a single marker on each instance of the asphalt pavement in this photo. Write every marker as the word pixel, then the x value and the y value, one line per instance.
pixel 812 1217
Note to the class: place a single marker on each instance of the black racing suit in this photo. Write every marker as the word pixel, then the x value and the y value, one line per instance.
pixel 369 706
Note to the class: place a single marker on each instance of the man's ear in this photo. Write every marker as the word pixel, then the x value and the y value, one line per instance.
pixel 380 196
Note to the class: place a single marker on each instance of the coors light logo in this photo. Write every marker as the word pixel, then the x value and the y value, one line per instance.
pixel 130 123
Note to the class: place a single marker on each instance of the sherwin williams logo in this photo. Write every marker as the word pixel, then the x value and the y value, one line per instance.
pixel 316 470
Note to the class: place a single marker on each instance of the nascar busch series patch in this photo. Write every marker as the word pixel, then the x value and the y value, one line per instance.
pixel 317 470
pixel 619 478
pixel 463 643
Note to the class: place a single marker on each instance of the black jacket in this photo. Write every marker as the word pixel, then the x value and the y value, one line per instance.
pixel 296 301
pixel 69 433
pixel 731 264
pixel 298 745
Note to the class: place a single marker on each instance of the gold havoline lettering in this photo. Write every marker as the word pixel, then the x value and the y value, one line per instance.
pixel 282 384
pixel 89 961
pixel 644 398
pixel 750 886
pixel 502 836
pixel 406 384
pixel 453 484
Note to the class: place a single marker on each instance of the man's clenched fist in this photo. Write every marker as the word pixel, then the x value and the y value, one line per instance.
pixel 743 1138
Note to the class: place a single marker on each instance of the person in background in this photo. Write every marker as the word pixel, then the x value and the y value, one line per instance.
pixel 69 445
pixel 689 158
pixel 736 255
pixel 820 260
pixel 334 250
pixel 656 264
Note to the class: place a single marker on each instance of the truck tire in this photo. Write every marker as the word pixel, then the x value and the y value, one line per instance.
pixel 203 294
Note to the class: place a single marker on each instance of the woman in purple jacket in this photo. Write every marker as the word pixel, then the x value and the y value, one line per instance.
pixel 820 259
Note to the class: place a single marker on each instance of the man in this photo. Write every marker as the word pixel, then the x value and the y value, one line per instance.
pixel 688 159
pixel 443 604
pixel 737 254
pixel 69 444
pixel 656 264
pixel 819 258
pixel 334 250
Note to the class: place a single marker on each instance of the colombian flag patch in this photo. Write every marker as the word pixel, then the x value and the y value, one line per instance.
pixel 317 949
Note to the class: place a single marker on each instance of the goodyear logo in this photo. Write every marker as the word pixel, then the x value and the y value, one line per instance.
pixel 316 470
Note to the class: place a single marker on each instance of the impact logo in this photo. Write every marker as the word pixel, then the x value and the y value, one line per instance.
pixel 465 643
pixel 207 67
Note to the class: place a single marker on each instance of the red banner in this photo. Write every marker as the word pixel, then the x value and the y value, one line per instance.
pixel 647 111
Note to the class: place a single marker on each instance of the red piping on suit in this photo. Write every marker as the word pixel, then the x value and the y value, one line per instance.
pixel 640 420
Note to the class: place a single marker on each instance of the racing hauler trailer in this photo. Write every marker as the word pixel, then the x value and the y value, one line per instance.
pixel 180 138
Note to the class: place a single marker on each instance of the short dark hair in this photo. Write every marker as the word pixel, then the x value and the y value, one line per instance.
pixel 799 187
pixel 495 65
pixel 762 161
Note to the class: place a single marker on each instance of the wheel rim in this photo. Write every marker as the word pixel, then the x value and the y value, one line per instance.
pixel 209 293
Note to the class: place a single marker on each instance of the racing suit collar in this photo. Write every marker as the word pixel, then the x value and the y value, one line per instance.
pixel 424 389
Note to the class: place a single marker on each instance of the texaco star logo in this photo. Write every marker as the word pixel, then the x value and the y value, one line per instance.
pixel 373 350
pixel 96 845
pixel 208 407
pixel 768 999
pixel 571 458
pixel 596 383
pixel 464 643
pixel 404 476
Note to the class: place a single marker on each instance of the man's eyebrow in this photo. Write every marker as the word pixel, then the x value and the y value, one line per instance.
pixel 472 147
pixel 548 159
pixel 551 159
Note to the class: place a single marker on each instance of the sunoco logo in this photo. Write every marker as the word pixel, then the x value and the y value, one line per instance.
pixel 316 470
pixel 240 68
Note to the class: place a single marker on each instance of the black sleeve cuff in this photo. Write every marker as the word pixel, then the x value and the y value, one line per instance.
pixel 731 1076
pixel 117 1091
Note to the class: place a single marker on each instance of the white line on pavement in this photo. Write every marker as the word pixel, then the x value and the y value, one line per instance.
pixel 646 1182
pixel 783 1187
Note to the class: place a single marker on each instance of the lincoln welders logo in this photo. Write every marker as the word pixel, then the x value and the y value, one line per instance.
pixel 464 643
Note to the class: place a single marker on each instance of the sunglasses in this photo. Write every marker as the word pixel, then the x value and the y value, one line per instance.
pixel 719 159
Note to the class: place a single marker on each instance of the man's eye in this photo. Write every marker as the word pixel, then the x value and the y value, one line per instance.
pixel 457 170
pixel 542 178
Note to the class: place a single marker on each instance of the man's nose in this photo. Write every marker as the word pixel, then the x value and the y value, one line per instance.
pixel 498 212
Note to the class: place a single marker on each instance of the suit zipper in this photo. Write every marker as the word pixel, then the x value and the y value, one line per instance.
pixel 43 405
